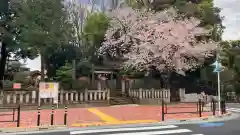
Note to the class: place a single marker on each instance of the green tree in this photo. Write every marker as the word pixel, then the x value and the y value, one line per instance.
pixel 230 57
pixel 57 57
pixel 94 29
pixel 89 28
pixel 43 24
pixel 10 36
pixel 64 75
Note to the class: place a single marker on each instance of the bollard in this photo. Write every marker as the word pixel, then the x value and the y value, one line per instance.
pixel 163 108
pixel 224 106
pixel 65 115
pixel 200 107
pixel 38 116
pixel 214 107
pixel 52 115
pixel 18 116
pixel 223 109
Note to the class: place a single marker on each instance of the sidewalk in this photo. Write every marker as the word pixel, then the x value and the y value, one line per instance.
pixel 79 117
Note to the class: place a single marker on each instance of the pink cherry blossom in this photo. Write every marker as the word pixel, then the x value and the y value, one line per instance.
pixel 165 40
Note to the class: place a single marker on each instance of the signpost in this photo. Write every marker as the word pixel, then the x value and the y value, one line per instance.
pixel 218 68
pixel 48 90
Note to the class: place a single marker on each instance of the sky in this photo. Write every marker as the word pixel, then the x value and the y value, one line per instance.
pixel 230 11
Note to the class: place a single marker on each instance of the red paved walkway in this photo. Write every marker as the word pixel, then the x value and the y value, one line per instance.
pixel 151 112
pixel 29 118
pixel 103 114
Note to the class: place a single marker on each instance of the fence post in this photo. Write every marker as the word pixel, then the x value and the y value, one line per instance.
pixel 38 117
pixel 14 114
pixel 163 108
pixel 65 115
pixel 200 107
pixel 52 115
pixel 18 115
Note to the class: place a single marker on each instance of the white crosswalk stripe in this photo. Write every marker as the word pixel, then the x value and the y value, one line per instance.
pixel 149 130
pixel 234 110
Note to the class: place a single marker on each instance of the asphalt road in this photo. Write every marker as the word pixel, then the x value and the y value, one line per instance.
pixel 230 127
pixel 216 128
pixel 233 107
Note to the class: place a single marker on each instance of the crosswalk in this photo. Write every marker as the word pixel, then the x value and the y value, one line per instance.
pixel 236 110
pixel 147 130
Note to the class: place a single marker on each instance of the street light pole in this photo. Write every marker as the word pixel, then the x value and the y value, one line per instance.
pixel 218 69
pixel 219 93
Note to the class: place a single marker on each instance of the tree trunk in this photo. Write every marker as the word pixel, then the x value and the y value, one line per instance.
pixel 165 80
pixel 4 55
pixel 42 67
pixel 168 84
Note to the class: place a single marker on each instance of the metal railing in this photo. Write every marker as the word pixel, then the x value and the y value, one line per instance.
pixel 14 110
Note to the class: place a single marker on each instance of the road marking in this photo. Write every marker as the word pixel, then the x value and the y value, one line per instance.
pixel 121 129
pixel 102 115
pixel 158 132
pixel 234 109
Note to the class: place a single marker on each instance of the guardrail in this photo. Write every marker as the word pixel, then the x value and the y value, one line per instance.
pixel 13 108
pixel 193 108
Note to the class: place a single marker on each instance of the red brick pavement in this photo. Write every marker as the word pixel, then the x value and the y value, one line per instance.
pixel 122 113
pixel 125 113
pixel 29 118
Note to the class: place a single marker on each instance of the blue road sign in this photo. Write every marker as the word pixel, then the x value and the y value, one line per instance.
pixel 218 66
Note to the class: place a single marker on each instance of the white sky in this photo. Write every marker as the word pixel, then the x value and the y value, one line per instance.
pixel 230 11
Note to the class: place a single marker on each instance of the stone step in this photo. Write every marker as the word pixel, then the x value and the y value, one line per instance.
pixel 121 100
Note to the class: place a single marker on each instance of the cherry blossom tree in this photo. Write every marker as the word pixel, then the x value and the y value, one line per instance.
pixel 164 40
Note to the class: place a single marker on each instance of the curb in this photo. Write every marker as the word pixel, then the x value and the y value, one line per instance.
pixel 115 123
pixel 202 118
pixel 29 129
pixel 98 124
